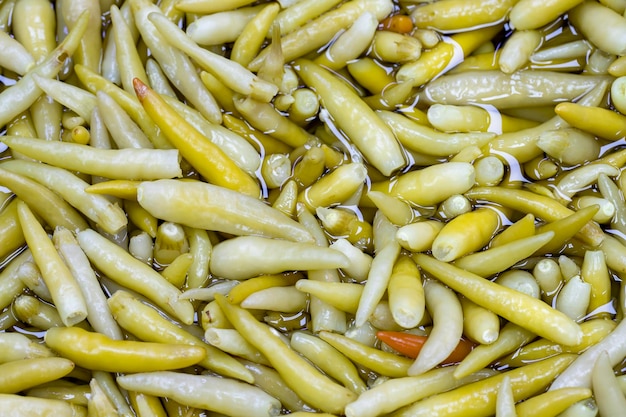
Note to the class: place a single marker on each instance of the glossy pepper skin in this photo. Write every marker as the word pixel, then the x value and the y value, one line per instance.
pixel 479 398
pixel 519 308
pixel 311 385
pixel 207 158
pixel 96 351
pixel 411 344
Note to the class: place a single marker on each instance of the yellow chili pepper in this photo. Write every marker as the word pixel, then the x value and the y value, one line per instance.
pixel 445 55
pixel 11 236
pixel 22 125
pixel 21 405
pixel 36 313
pixel 287 199
pixel 122 267
pixel 493 260
pixel 61 390
pixel 231 342
pixel 479 324
pixel 460 14
pixel 618 67
pixel 418 236
pixel 532 14
pixel 108 216
pixel 369 74
pixel 200 247
pixel 399 212
pixel 94 82
pixel 128 163
pixel 223 95
pixel 479 398
pixel 10 283
pixel 212 316
pixel 126 189
pixel 15 346
pixel 25 92
pixel 64 289
pixel 88 52
pixel 169 243
pixel 100 403
pixel 207 392
pixel 310 167
pixel 564 229
pixel 608 36
pixel 607 392
pixel 384 363
pixel 551 403
pixel 430 185
pixel 19 375
pixel 149 325
pixel 96 351
pixel 231 73
pixel 37 33
pixel 348 225
pixel 507 91
pixel 202 154
pixel 53 209
pixel 329 360
pixel 465 233
pixel 377 280
pixel 593 331
pixel 484 61
pixel 312 386
pixel 342 295
pixel 368 133
pixel 249 43
pixel 242 290
pixel 419 138
pixel 524 227
pixel 140 217
pixel 510 338
pixel 594 271
pixel 176 271
pixel 335 186
pixel 406 293
pixel 266 378
pixel 7 320
pixel 146 405
pixel 519 308
pixel 262 142
pixel 266 117
pixel 319 31
pixel 599 121
pixel 201 205
pixel 540 206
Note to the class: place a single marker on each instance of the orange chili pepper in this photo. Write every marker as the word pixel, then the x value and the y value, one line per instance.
pixel 399 23
pixel 410 345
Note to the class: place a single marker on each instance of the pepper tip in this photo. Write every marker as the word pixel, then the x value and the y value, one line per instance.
pixel 141 89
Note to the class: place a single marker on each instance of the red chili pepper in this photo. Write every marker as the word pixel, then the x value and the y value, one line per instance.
pixel 410 345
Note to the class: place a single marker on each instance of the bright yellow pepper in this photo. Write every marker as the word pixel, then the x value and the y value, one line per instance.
pixel 478 399
pixel 19 375
pixel 551 403
pixel 96 351
pixel 312 386
pixel 202 154
pixel 517 307
pixel 602 122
